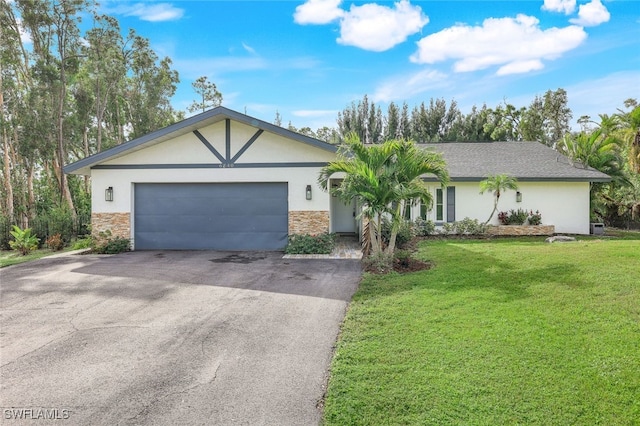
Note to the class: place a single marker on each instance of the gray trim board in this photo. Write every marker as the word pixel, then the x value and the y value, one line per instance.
pixel 227 140
pixel 209 146
pixel 247 145
pixel 204 166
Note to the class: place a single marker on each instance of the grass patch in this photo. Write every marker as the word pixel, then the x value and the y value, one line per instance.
pixel 13 257
pixel 504 331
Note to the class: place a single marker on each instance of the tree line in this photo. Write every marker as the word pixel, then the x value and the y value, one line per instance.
pixel 545 120
pixel 608 143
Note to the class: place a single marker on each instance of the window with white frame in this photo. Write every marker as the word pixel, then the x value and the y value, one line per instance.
pixel 439 205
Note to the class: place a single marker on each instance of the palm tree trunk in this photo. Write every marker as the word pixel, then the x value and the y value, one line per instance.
pixel 495 208
pixel 394 229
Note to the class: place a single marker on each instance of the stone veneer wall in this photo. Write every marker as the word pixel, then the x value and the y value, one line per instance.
pixel 517 230
pixel 308 222
pixel 118 223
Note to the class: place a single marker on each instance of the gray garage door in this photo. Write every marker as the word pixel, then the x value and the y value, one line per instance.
pixel 203 216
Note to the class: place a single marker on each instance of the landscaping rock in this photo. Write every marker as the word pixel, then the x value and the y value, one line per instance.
pixel 559 239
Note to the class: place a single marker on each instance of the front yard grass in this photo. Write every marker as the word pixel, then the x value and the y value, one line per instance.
pixel 13 257
pixel 503 331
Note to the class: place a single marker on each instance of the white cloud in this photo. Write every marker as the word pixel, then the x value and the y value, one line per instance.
pixel 591 14
pixel 379 28
pixel 404 86
pixel 563 6
pixel 520 67
pixel 368 26
pixel 148 12
pixel 318 12
pixel 518 45
pixel 249 48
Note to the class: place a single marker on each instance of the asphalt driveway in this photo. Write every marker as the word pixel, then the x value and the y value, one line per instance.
pixel 170 337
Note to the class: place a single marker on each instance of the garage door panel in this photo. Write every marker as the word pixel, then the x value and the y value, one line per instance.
pixel 220 242
pixel 237 216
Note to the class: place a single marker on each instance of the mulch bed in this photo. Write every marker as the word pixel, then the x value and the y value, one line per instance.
pixel 405 264
pixel 410 265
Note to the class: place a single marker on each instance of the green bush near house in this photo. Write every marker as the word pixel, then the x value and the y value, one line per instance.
pixel 405 232
pixel 513 217
pixel 466 226
pixel 105 243
pixel 423 228
pixel 310 244
pixel 83 243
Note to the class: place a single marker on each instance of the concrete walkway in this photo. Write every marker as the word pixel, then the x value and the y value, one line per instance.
pixel 347 247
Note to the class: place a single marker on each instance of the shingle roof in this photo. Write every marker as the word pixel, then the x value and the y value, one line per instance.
pixel 526 161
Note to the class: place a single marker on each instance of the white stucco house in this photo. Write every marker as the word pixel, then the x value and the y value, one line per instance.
pixel 224 180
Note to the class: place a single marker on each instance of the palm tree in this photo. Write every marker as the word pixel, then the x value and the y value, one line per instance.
pixel 383 176
pixel 601 152
pixel 409 165
pixel 631 135
pixel 497 184
pixel 598 151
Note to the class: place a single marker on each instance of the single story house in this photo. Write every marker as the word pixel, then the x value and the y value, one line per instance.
pixel 224 180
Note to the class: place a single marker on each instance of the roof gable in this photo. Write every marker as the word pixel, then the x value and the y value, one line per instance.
pixel 190 127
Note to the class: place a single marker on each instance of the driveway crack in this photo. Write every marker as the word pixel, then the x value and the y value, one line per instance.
pixel 210 378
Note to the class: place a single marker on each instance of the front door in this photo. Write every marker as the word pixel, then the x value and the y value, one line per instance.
pixel 343 216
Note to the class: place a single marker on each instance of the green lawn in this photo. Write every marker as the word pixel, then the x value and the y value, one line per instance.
pixel 498 332
pixel 12 257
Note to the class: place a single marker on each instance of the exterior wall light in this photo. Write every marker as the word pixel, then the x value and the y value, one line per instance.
pixel 108 194
pixel 308 192
pixel 518 197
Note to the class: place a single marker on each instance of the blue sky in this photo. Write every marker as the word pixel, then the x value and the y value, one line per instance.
pixel 309 60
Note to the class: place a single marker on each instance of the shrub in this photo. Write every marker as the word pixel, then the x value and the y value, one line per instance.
pixel 310 244
pixel 422 227
pixel 23 241
pixel 55 242
pixel 513 217
pixel 379 263
pixel 405 232
pixel 82 243
pixel 447 228
pixel 520 217
pixel 5 232
pixel 535 218
pixel 106 244
pixel 469 226
pixel 61 222
pixel 466 226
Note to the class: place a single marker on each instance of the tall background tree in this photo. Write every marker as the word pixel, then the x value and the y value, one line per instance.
pixel 208 95
pixel 68 91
